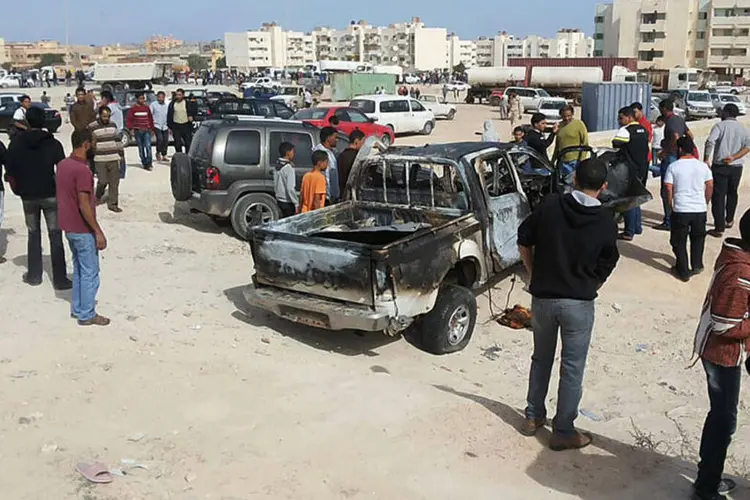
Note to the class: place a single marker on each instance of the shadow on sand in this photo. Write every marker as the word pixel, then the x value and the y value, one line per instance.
pixel 199 222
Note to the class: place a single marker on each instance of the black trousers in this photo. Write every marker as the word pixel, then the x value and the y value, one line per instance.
pixel 182 133
pixel 32 210
pixel 720 425
pixel 724 200
pixel 684 226
pixel 286 209
pixel 162 139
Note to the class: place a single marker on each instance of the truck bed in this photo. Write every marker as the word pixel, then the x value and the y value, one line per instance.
pixel 332 252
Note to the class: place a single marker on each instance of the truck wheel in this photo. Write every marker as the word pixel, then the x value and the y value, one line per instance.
pixel 449 326
pixel 427 129
pixel 253 210
pixel 494 102
pixel 181 177
pixel 451 114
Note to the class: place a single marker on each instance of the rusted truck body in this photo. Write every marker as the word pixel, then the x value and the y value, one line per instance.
pixel 422 228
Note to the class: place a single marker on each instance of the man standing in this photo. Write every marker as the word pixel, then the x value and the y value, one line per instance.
pixel 644 122
pixel 180 121
pixel 30 163
pixel 328 139
pixel 106 144
pixel 535 138
pixel 114 107
pixel 346 158
pixel 308 98
pixel 726 146
pixel 75 195
pixel 674 128
pixel 633 142
pixel 515 109
pixel 569 248
pixel 721 342
pixel 571 133
pixel 141 123
pixel 285 181
pixel 159 110
pixel 19 117
pixel 689 186
pixel 82 113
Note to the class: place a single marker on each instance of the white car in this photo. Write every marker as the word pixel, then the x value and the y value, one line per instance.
pixel 550 107
pixel 456 85
pixel 401 114
pixel 9 81
pixel 720 100
pixel 530 97
pixel 439 107
pixel 412 79
pixel 262 81
pixel 729 88
pixel 5 98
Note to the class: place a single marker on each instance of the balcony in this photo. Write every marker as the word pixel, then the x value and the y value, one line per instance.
pixel 730 22
pixel 659 26
pixel 659 44
pixel 730 41
pixel 728 61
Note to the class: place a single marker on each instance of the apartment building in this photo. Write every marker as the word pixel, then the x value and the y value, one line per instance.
pixel 269 47
pixel 463 52
pixel 497 50
pixel 28 54
pixel 664 34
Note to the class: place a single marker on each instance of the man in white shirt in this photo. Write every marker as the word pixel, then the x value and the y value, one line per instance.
pixel 117 118
pixel 689 185
pixel 328 140
pixel 159 110
pixel 308 98
pixel 19 116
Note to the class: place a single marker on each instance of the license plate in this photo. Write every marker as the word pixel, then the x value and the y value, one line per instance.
pixel 309 318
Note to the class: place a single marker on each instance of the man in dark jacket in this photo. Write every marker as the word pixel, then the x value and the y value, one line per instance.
pixel 346 158
pixel 535 138
pixel 569 248
pixel 180 116
pixel 30 163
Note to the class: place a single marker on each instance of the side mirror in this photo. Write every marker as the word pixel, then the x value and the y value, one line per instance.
pixel 374 119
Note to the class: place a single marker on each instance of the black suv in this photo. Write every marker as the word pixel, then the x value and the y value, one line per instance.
pixel 268 108
pixel 229 170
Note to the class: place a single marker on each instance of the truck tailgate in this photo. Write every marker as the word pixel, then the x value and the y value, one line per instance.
pixel 329 269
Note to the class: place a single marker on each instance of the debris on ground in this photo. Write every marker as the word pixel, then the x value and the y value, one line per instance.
pixel 491 353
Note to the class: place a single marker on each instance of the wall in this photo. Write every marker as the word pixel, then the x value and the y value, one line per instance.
pixel 430 48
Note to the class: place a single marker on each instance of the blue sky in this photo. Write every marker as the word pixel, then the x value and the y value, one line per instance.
pixel 135 20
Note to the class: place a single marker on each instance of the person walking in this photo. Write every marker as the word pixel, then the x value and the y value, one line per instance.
pixel 75 195
pixel 727 144
pixel 285 181
pixel 18 121
pixel 722 340
pixel 82 113
pixel 674 128
pixel 106 144
pixel 140 122
pixel 328 140
pixel 345 160
pixel 535 138
pixel 30 165
pixel 180 121
pixel 159 111
pixel 689 185
pixel 69 101
pixel 571 132
pixel 632 141
pixel 515 109
pixel 44 99
pixel 569 248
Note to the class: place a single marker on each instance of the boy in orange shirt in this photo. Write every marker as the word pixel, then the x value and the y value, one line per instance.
pixel 312 194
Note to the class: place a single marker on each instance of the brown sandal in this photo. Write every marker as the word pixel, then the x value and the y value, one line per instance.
pixel 575 442
pixel 95 321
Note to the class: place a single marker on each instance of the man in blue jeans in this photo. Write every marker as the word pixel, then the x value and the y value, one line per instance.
pixel 569 248
pixel 141 122
pixel 77 216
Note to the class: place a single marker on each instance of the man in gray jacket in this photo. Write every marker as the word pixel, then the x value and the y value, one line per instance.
pixel 726 145
pixel 285 181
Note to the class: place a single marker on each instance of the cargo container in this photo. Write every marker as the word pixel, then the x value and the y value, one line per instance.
pixel 116 76
pixel 601 102
pixel 345 86
pixel 607 64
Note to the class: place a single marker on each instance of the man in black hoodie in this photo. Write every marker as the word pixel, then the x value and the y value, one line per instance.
pixel 30 163
pixel 569 248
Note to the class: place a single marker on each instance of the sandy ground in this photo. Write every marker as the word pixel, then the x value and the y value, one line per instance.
pixel 220 404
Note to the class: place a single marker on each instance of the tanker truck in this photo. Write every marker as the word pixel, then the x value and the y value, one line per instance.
pixel 488 82
pixel 564 82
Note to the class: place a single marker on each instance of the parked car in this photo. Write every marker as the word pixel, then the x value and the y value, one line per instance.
pixel 422 230
pixel 698 104
pixel 439 106
pixel 213 96
pixel 530 97
pixel 458 85
pixel 720 100
pixel 411 79
pixel 654 111
pixel 550 107
pixel 228 172
pixel 53 120
pixel 729 88
pixel 401 114
pixel 252 107
pixel 291 95
pixel 263 81
pixel 345 120
pixel 7 97
pixel 10 81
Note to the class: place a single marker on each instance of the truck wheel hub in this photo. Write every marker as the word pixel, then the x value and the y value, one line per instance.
pixel 458 325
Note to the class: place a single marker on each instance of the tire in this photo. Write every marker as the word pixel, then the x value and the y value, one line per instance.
pixel 252 210
pixel 494 102
pixel 181 177
pixel 427 129
pixel 733 92
pixel 452 114
pixel 386 140
pixel 455 304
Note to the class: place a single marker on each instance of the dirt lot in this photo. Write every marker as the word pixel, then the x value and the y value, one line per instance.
pixel 223 404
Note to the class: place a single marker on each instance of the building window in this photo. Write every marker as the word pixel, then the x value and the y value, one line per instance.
pixel 598 53
pixel 701 35
pixel 700 54
pixel 702 16
pixel 599 19
pixel 650 55
pixel 598 36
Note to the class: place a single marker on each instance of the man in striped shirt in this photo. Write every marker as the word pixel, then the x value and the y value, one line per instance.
pixel 107 146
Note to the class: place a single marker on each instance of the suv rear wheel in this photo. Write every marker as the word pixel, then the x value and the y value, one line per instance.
pixel 180 175
pixel 253 210
pixel 448 327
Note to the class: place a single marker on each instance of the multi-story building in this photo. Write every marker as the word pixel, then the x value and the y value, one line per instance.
pixel 571 43
pixel 497 50
pixel 663 34
pixel 160 43
pixel 269 47
pixel 29 54
pixel 462 52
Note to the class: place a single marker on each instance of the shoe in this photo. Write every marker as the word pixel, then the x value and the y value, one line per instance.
pixel 531 425
pixel 575 442
pixel 697 271
pixel 726 486
pixel 715 233
pixel 730 224
pixel 624 237
pixel 158 157
pixel 663 227
pixel 95 321
pixel 28 281
pixel 116 210
pixel 677 275
pixel 148 167
pixel 63 285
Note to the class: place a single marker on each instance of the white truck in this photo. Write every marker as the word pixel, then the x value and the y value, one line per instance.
pixel 132 76
pixel 439 107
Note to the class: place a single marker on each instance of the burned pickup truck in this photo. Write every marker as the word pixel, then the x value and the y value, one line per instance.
pixel 422 228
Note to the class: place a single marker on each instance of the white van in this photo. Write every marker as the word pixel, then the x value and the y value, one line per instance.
pixel 530 97
pixel 402 114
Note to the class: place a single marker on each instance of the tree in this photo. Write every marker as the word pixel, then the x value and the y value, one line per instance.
pixel 221 62
pixel 50 60
pixel 197 62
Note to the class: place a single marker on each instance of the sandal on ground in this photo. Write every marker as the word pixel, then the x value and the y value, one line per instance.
pixel 95 321
pixel 95 473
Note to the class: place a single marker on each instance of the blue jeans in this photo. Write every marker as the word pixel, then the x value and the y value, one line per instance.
pixel 665 163
pixel 568 167
pixel 633 222
pixel 85 274
pixel 143 139
pixel 575 320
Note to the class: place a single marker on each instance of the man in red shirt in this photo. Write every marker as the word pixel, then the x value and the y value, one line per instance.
pixel 140 122
pixel 645 123
pixel 76 206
